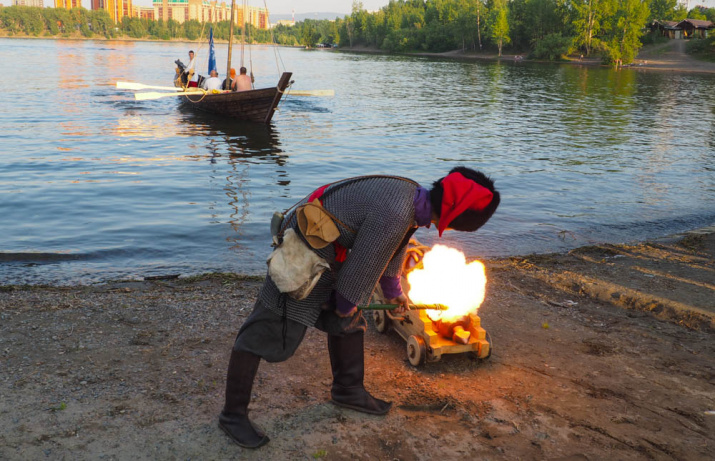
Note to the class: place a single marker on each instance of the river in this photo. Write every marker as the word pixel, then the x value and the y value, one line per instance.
pixel 96 186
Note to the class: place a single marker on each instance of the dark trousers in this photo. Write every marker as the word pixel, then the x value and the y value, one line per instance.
pixel 263 332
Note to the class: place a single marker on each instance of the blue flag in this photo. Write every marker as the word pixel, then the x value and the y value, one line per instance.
pixel 212 52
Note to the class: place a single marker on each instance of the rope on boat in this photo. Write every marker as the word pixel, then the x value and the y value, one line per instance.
pixel 276 53
pixel 202 96
pixel 283 92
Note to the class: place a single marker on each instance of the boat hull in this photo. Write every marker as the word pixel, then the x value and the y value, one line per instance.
pixel 253 105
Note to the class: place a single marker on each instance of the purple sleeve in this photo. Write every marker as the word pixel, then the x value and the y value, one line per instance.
pixel 343 306
pixel 391 286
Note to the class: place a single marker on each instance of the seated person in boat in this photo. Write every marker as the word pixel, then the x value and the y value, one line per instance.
pixel 230 83
pixel 243 82
pixel 213 82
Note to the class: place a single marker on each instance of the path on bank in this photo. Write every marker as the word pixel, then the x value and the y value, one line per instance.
pixel 671 56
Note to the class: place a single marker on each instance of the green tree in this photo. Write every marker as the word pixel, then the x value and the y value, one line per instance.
pixel 590 17
pixel 662 10
pixel 102 23
pixel 710 15
pixel 133 27
pixel 175 29
pixel 697 13
pixel 552 47
pixel 680 13
pixel 498 24
pixel 532 20
pixel 623 41
pixel 192 29
pixel 309 34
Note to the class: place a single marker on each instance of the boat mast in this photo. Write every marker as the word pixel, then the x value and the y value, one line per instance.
pixel 243 30
pixel 230 42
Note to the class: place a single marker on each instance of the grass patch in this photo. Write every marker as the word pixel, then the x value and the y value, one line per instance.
pixel 702 49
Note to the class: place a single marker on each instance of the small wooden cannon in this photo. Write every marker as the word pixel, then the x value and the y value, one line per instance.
pixel 424 341
pixel 427 339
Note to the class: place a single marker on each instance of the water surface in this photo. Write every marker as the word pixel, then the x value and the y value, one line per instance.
pixel 96 186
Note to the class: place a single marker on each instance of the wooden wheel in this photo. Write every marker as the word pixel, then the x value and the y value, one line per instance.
pixel 416 350
pixel 491 345
pixel 380 321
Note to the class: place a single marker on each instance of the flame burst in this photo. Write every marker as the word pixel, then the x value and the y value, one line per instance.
pixel 447 279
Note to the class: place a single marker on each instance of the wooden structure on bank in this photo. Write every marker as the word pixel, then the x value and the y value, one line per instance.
pixel 687 28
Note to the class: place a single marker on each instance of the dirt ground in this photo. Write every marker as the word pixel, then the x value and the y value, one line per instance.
pixel 606 352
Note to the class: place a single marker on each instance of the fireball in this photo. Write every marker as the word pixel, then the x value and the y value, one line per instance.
pixel 447 279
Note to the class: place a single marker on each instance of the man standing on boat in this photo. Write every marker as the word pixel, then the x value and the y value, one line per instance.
pixel 190 70
pixel 372 220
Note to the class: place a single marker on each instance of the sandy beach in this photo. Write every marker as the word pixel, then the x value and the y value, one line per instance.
pixel 606 352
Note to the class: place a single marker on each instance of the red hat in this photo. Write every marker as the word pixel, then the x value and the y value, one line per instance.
pixel 461 194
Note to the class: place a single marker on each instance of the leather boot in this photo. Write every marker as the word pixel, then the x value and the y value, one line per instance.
pixel 233 420
pixel 347 359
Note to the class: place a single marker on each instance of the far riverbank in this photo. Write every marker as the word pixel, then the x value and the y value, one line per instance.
pixel 669 57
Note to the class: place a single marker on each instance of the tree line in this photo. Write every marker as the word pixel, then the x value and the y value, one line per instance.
pixel 80 22
pixel 544 29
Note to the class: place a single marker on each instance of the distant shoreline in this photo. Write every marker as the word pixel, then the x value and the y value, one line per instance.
pixel 676 62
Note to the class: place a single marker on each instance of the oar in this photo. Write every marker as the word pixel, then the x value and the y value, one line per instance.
pixel 154 95
pixel 311 92
pixel 141 86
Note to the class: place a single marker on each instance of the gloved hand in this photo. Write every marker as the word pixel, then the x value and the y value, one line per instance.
pixel 403 301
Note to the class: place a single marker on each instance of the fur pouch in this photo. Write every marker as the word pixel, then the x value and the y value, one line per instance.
pixel 294 267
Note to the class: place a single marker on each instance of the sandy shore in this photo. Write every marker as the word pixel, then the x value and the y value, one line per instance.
pixel 606 352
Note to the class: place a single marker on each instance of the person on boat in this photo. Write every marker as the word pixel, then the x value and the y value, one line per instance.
pixel 213 82
pixel 375 217
pixel 243 82
pixel 230 83
pixel 190 71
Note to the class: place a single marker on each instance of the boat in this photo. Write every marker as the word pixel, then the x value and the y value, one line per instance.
pixel 256 105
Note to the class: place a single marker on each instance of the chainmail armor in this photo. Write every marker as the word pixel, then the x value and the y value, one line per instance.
pixel 380 211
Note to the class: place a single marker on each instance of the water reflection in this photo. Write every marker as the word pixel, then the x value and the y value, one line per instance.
pixel 234 148
pixel 239 141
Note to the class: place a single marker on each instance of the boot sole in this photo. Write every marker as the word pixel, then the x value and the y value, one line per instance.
pixel 361 409
pixel 262 442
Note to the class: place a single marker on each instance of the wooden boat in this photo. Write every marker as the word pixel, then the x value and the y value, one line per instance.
pixel 257 105
pixel 254 105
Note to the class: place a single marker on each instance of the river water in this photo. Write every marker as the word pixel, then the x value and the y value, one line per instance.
pixel 95 186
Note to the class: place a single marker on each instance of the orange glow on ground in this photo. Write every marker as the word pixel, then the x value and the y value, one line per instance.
pixel 447 279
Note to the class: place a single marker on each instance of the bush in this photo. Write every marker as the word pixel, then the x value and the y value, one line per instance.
pixel 653 38
pixel 552 47
pixel 701 46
